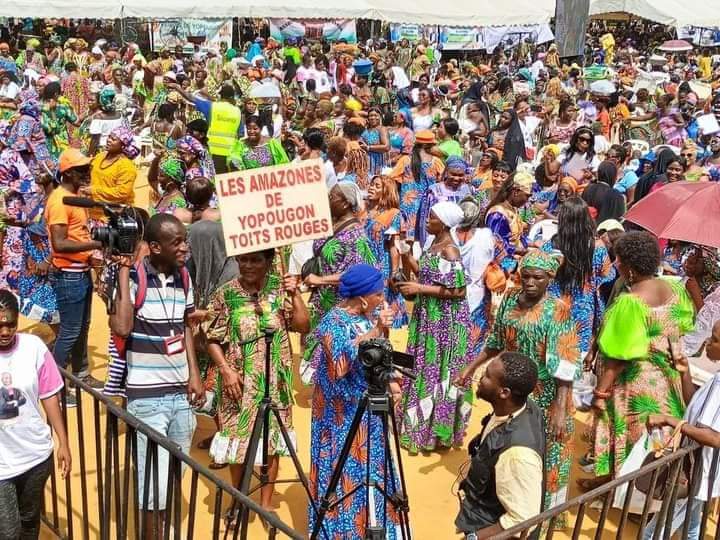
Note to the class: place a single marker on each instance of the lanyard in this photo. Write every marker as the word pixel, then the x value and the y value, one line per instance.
pixel 162 302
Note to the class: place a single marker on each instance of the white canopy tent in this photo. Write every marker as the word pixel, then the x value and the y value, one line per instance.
pixel 449 12
pixel 676 13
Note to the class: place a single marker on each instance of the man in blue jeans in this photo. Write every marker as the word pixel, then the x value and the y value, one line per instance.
pixel 153 310
pixel 71 248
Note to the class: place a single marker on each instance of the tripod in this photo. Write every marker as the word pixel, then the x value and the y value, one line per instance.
pixel 379 404
pixel 261 429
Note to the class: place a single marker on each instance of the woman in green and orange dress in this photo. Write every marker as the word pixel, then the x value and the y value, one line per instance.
pixel 638 378
pixel 532 322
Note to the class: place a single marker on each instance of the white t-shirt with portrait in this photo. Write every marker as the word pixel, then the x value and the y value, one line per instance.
pixel 28 374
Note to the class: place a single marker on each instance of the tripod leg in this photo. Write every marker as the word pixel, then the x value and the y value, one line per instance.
pixel 337 473
pixel 403 512
pixel 244 487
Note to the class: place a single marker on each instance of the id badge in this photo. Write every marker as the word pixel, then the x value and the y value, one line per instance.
pixel 174 344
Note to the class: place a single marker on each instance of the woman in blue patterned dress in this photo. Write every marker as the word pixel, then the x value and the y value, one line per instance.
pixel 376 139
pixel 383 226
pixel 339 384
pixel 26 135
pixel 415 174
pixel 435 412
pixel 586 266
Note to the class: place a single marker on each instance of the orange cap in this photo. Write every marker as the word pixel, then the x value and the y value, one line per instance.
pixel 72 157
pixel 425 136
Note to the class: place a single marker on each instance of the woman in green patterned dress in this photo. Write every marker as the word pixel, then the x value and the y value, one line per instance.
pixel 533 323
pixel 240 310
pixel 638 379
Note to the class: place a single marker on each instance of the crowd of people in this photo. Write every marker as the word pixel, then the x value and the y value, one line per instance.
pixel 478 203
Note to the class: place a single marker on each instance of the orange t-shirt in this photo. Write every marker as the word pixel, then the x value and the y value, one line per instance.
pixel 76 219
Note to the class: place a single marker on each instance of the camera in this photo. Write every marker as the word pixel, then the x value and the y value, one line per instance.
pixel 122 233
pixel 380 362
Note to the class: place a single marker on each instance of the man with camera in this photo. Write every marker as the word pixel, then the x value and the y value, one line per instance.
pixel 153 311
pixel 71 248
pixel 504 484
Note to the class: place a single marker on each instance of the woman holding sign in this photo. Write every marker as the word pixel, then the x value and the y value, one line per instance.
pixel 241 310
pixel 254 150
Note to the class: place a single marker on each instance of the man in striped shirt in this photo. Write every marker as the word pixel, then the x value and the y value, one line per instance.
pixel 163 381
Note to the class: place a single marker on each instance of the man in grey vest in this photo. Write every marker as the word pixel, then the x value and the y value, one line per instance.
pixel 504 484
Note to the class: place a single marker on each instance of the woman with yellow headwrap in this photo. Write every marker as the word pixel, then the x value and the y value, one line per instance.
pixel 531 322
pixel 30 58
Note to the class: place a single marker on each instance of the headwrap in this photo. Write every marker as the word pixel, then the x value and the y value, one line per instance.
pixel 189 144
pixel 570 181
pixel 360 280
pixel 540 260
pixel 405 113
pixel 456 162
pixel 352 194
pixel 448 212
pixel 173 168
pixel 30 107
pixel 472 212
pixel 127 139
pixel 230 54
pixel 554 149
pixel 523 181
pixel 32 44
pixel 106 98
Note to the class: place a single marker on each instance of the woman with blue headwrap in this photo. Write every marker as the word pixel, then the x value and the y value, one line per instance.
pixel 26 134
pixel 435 413
pixel 339 385
pixel 453 187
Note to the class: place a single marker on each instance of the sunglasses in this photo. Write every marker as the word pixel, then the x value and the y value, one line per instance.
pixel 584 139
pixel 690 154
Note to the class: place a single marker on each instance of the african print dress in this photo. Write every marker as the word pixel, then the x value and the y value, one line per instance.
pixel 636 333
pixel 243 157
pixel 588 307
pixel 378 160
pixel 546 334
pixel 339 383
pixel 412 189
pixel 379 228
pixel 436 412
pixel 55 125
pixel 348 247
pixel 234 316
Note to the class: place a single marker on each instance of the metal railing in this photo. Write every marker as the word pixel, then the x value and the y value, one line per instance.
pixel 670 465
pixel 113 440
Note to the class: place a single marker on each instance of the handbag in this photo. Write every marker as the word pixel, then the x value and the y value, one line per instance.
pixel 494 278
pixel 312 265
pixel 664 483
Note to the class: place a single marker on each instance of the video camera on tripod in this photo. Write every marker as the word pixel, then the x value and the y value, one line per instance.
pixel 380 362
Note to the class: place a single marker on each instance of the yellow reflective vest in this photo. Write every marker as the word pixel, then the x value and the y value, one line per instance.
pixel 224 123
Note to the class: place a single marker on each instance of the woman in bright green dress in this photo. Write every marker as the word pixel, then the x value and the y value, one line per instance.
pixel 638 378
pixel 255 150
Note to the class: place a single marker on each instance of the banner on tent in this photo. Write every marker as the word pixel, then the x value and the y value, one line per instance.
pixel 411 32
pixel 510 36
pixel 328 29
pixel 273 206
pixel 705 37
pixel 455 38
pixel 203 32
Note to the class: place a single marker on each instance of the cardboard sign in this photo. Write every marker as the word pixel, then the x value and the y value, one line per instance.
pixel 273 206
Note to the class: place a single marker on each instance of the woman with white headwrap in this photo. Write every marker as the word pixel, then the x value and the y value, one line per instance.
pixel 435 413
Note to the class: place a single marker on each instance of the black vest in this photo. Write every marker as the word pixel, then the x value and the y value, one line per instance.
pixel 481 506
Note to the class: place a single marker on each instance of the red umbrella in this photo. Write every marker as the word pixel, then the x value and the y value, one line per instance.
pixel 685 211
